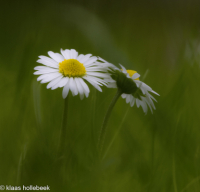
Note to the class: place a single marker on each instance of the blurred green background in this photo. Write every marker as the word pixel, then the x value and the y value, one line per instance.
pixel 150 153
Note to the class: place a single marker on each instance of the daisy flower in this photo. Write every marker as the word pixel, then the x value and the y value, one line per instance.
pixel 70 70
pixel 133 90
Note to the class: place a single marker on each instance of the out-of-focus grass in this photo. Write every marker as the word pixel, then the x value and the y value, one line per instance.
pixel 158 152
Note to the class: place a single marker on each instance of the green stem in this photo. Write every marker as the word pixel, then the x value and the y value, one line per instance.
pixel 104 125
pixel 63 129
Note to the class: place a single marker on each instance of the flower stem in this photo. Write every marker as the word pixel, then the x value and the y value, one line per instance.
pixel 63 131
pixel 105 121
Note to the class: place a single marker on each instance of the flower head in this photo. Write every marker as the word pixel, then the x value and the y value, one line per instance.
pixel 70 70
pixel 133 90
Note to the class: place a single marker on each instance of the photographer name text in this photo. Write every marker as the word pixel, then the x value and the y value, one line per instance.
pixel 24 188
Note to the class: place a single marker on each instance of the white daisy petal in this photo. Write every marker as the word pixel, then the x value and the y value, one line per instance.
pixel 101 67
pixel 124 95
pixel 146 87
pixel 107 64
pixel 55 86
pixel 110 80
pixel 155 92
pixel 151 102
pixel 128 98
pixel 85 58
pixel 56 56
pixel 48 77
pixel 50 70
pixel 135 76
pixel 133 102
pixel 97 74
pixel 95 80
pixel 65 90
pixel 137 102
pixel 95 84
pixel 60 83
pixel 80 57
pixel 131 99
pixel 79 86
pixel 95 69
pixel 138 83
pixel 63 81
pixel 89 61
pixel 85 87
pixel 47 61
pixel 152 97
pixel 99 58
pixel 144 106
pixel 123 68
pixel 143 90
pixel 112 85
pixel 72 86
pixel 73 54
pixel 42 68
pixel 53 82
pixel 147 101
pixel 65 53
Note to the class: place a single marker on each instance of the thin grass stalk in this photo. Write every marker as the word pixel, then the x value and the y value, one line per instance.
pixel 62 141
pixel 105 122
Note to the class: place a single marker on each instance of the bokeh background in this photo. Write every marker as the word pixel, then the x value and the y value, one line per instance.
pixel 157 152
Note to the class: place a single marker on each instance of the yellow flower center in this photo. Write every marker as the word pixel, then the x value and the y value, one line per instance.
pixel 72 68
pixel 131 73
